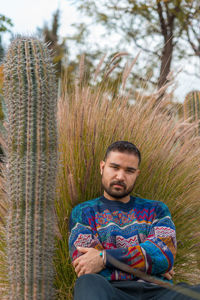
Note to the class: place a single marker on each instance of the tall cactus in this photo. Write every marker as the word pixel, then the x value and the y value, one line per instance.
pixel 30 93
pixel 192 109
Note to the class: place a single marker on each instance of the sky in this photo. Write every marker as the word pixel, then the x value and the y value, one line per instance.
pixel 28 15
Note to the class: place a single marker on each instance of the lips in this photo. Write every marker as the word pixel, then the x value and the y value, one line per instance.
pixel 118 184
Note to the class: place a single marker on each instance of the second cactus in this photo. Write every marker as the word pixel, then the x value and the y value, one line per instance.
pixel 192 109
pixel 30 94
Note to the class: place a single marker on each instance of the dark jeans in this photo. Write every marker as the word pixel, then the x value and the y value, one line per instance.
pixel 96 287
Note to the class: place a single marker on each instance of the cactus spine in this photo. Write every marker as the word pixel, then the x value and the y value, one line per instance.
pixel 30 93
pixel 192 109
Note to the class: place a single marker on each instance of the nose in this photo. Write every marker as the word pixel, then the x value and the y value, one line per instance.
pixel 120 175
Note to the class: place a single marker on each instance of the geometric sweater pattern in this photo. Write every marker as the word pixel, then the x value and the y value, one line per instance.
pixel 139 233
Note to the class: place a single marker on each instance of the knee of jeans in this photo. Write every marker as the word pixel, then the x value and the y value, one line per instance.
pixel 91 280
pixel 93 286
pixel 88 278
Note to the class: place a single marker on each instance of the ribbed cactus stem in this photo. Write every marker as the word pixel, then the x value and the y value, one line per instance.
pixel 192 109
pixel 30 93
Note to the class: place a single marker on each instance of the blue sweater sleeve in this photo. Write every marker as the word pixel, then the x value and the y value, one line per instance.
pixel 156 254
pixel 84 234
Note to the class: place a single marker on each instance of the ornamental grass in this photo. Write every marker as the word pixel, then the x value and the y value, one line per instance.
pixel 89 120
pixel 91 117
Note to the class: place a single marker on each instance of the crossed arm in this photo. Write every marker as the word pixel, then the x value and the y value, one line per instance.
pixel 91 262
pixel 154 256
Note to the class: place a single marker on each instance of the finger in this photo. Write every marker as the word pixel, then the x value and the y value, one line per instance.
pixel 171 272
pixel 167 276
pixel 81 272
pixel 75 262
pixel 78 269
pixel 83 249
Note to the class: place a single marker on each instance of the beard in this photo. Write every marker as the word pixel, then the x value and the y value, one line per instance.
pixel 117 193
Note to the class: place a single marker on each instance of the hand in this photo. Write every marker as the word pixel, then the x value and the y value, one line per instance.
pixel 89 262
pixel 169 274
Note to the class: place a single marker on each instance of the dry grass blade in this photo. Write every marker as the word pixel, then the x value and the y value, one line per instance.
pixel 127 71
pixel 81 68
pixel 99 67
pixel 115 63
pixel 111 69
pixel 119 54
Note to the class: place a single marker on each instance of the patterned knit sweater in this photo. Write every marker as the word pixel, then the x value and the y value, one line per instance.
pixel 139 233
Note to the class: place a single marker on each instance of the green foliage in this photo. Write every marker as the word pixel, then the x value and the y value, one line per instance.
pixel 164 25
pixel 65 275
pixel 89 121
pixel 51 37
pixel 1 50
pixel 30 95
pixel 5 23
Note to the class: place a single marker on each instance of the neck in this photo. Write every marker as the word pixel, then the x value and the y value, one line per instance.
pixel 125 199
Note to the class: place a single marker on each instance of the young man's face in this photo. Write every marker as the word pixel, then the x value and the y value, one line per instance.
pixel 119 173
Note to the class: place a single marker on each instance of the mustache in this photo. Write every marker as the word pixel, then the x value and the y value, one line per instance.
pixel 121 183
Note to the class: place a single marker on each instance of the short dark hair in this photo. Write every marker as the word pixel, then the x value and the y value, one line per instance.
pixel 123 146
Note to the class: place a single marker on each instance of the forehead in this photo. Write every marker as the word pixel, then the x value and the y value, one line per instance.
pixel 125 159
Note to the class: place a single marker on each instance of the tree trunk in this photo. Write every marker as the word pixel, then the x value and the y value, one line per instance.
pixel 167 29
pixel 166 60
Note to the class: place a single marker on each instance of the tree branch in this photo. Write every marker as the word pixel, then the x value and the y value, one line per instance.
pixel 194 47
pixel 142 48
pixel 162 20
pixel 170 18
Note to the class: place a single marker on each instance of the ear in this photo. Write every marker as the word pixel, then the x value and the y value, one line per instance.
pixel 138 172
pixel 102 164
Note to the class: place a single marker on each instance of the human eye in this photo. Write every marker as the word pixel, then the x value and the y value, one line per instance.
pixel 114 167
pixel 131 171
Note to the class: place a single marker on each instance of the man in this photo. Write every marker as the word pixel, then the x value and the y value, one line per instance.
pixel 135 231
